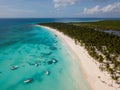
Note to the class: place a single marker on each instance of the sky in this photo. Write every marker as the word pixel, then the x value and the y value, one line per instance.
pixel 59 8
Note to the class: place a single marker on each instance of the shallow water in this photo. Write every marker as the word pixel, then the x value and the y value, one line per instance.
pixel 27 45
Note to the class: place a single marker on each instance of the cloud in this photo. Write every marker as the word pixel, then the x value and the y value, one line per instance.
pixel 63 3
pixel 93 10
pixel 111 8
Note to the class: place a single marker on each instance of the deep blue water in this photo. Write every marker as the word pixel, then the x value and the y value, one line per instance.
pixel 24 44
pixel 45 20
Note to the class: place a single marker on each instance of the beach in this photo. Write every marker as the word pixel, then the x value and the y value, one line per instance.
pixel 96 79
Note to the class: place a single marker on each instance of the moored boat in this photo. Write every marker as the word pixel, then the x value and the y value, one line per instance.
pixel 14 67
pixel 28 80
pixel 54 61
pixel 47 72
pixel 36 64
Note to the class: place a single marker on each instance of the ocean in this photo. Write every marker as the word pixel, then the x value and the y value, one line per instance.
pixel 32 49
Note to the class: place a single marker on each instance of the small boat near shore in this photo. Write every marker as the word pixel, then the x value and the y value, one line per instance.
pixel 47 72
pixel 28 80
pixel 14 67
pixel 54 61
pixel 36 64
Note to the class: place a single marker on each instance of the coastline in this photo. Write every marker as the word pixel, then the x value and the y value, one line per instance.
pixel 89 67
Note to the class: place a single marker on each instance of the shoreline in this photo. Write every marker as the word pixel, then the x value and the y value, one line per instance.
pixel 90 68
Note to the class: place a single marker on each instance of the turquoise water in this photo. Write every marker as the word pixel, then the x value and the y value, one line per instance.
pixel 26 45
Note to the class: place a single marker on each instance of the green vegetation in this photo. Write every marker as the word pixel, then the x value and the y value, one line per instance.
pixel 102 25
pixel 103 47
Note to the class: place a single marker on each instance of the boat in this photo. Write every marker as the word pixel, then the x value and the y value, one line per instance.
pixel 54 61
pixel 14 67
pixel 47 72
pixel 28 80
pixel 36 64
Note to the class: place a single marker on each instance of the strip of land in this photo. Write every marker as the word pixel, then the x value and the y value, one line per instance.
pixel 97 79
pixel 101 25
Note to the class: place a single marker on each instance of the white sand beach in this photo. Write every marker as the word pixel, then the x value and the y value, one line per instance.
pixel 97 79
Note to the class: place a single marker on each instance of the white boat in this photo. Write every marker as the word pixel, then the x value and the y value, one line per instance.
pixel 47 72
pixel 54 61
pixel 14 67
pixel 28 80
pixel 36 64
